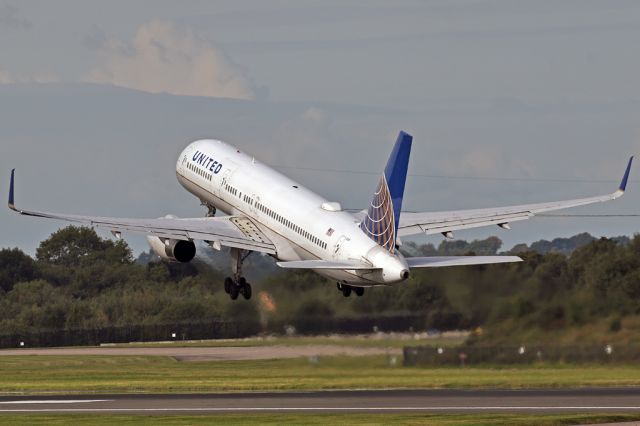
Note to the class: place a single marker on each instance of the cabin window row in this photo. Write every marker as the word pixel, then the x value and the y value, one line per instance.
pixel 286 222
pixel 230 189
pixel 199 171
pixel 248 200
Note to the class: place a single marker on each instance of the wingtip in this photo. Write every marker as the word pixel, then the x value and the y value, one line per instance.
pixel 12 204
pixel 405 136
pixel 625 178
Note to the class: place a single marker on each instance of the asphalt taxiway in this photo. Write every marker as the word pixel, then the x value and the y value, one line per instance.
pixel 587 400
pixel 212 353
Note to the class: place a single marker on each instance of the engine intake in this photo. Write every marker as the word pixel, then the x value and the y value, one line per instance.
pixel 173 250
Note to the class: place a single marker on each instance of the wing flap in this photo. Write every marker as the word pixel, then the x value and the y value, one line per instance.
pixel 444 261
pixel 474 222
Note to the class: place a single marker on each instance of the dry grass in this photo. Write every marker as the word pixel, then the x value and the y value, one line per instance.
pixel 113 374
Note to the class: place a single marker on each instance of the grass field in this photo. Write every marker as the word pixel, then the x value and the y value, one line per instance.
pixel 321 419
pixel 114 374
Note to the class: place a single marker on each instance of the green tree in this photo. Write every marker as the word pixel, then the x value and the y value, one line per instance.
pixel 76 246
pixel 15 267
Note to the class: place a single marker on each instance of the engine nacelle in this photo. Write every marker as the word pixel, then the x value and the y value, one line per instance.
pixel 173 250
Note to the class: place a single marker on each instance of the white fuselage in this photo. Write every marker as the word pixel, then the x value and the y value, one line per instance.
pixel 292 216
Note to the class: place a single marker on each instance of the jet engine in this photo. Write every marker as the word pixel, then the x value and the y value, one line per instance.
pixel 173 250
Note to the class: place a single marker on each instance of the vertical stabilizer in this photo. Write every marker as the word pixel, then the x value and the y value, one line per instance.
pixel 383 214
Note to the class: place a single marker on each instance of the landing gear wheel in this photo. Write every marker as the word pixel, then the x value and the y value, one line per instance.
pixel 359 291
pixel 246 291
pixel 228 283
pixel 234 292
pixel 346 290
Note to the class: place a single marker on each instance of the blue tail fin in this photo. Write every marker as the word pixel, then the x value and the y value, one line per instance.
pixel 383 215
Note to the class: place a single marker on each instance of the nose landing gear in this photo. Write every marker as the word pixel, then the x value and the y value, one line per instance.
pixel 211 209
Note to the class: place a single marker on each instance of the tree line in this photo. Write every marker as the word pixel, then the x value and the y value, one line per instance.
pixel 80 281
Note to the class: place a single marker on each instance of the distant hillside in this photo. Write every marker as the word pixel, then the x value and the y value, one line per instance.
pixel 486 247
pixel 565 246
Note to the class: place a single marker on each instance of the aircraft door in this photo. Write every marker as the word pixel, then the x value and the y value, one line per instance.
pixel 181 164
pixel 252 206
pixel 224 178
pixel 223 181
pixel 338 246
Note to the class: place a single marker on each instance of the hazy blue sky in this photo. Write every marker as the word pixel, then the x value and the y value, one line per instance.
pixel 98 98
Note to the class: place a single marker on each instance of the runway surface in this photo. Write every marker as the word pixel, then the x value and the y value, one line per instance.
pixel 590 400
pixel 222 353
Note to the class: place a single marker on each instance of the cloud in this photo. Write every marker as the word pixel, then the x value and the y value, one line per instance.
pixel 5 78
pixel 9 78
pixel 96 39
pixel 307 133
pixel 10 17
pixel 162 58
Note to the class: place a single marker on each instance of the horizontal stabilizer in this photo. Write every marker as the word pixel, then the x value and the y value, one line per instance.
pixel 439 262
pixel 325 264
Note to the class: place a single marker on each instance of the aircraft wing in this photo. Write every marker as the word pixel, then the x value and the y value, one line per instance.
pixel 231 231
pixel 448 221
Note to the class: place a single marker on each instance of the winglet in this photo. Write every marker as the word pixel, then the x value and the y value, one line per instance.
pixel 12 204
pixel 623 184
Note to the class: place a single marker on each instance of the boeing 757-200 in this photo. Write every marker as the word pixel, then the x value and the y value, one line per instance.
pixel 269 213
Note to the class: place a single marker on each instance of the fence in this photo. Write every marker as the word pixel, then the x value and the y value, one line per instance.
pixel 361 324
pixel 133 333
pixel 217 329
pixel 470 355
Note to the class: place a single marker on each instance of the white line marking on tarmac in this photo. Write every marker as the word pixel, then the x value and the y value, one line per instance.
pixel 240 409
pixel 55 401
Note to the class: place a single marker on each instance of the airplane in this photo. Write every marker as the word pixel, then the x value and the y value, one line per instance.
pixel 270 213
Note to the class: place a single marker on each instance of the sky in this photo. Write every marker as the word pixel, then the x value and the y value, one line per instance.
pixel 508 102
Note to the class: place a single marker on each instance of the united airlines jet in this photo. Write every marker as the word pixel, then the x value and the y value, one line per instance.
pixel 267 212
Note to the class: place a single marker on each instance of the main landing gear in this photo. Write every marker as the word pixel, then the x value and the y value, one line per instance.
pixel 235 288
pixel 346 290
pixel 238 284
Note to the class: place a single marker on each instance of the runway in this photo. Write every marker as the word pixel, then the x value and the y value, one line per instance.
pixel 212 353
pixel 591 400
